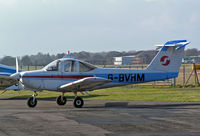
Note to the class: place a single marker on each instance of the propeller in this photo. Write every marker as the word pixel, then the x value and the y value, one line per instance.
pixel 17 74
pixel 14 78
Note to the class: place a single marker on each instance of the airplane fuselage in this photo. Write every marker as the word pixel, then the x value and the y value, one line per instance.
pixel 42 80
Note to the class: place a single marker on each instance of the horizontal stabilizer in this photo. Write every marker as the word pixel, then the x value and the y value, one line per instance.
pixel 176 43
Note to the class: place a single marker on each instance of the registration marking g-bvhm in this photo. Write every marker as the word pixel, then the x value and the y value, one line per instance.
pixel 127 77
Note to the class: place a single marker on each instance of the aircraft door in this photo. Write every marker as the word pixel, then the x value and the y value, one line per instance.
pixel 52 70
pixel 69 66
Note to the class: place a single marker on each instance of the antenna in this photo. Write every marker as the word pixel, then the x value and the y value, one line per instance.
pixel 68 55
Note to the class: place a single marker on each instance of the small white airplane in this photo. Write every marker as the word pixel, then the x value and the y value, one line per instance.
pixel 72 75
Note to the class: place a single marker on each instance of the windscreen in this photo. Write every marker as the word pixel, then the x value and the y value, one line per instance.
pixel 53 66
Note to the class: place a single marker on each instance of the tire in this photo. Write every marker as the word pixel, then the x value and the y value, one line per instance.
pixel 31 103
pixel 61 102
pixel 78 102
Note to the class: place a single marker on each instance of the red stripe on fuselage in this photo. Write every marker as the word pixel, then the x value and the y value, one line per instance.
pixel 61 76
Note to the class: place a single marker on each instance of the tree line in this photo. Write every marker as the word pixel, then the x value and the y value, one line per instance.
pixel 98 58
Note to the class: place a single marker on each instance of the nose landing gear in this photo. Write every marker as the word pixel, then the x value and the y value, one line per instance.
pixel 32 101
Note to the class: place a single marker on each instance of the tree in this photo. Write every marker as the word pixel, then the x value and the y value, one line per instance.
pixel 147 55
pixel 192 52
pixel 26 61
pixel 8 60
pixel 98 58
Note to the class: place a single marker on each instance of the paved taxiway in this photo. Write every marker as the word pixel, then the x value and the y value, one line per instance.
pixel 99 118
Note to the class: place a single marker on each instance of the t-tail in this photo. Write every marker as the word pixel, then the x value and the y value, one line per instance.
pixel 169 58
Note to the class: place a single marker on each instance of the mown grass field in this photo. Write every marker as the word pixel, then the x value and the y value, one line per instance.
pixel 123 94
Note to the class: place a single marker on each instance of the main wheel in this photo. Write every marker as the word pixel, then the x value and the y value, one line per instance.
pixel 78 102
pixel 61 101
pixel 32 102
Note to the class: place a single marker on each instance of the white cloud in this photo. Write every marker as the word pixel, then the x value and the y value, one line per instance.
pixel 7 2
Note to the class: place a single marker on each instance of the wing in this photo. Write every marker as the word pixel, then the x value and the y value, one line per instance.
pixel 84 84
pixel 6 81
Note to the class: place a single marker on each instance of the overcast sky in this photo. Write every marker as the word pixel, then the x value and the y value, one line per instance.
pixel 55 26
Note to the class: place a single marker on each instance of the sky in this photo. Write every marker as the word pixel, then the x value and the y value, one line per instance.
pixel 56 26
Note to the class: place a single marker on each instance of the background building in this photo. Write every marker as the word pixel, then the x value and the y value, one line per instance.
pixel 127 60
pixel 191 59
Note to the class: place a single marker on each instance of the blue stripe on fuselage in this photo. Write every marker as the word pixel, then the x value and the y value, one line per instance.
pixel 137 77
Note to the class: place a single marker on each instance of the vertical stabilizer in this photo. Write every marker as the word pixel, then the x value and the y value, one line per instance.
pixel 169 57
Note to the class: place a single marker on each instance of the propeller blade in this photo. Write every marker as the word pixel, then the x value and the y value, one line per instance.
pixel 17 66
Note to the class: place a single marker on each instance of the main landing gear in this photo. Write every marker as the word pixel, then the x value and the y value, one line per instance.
pixel 78 101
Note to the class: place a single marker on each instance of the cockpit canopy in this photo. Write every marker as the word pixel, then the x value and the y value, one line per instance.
pixel 69 65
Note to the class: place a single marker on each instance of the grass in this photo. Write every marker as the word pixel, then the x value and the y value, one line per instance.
pixel 123 94
pixel 149 94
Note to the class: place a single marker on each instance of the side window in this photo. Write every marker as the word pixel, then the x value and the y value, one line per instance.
pixel 83 67
pixel 69 66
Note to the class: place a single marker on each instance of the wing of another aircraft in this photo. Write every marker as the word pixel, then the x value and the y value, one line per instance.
pixel 6 81
pixel 84 84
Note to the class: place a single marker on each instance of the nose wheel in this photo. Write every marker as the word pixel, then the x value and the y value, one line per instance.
pixel 78 102
pixel 32 101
